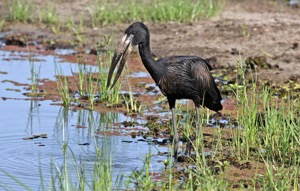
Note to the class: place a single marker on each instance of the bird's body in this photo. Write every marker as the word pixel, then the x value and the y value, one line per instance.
pixel 178 77
pixel 189 77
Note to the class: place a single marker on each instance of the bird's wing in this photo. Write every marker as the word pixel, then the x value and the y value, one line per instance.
pixel 182 59
pixel 200 71
pixel 192 68
pixel 189 77
pixel 177 78
pixel 184 76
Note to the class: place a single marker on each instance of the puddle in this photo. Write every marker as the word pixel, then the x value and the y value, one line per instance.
pixel 23 119
pixel 64 51
pixel 37 130
pixel 33 132
pixel 17 68
pixel 139 75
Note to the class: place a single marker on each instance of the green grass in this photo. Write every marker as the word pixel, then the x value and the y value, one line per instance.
pixel 268 132
pixel 90 82
pixel 19 10
pixel 92 87
pixel 156 11
pixel 132 105
pixel 98 176
pixel 56 28
pixel 81 78
pixel 62 86
pixel 142 178
pixel 103 63
pixel 2 23
pixel 48 16
pixel 271 138
pixel 266 123
pixel 35 76
pixel 110 12
pixel 86 82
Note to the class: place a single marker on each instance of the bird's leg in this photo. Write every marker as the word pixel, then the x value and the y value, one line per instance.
pixel 176 136
pixel 172 102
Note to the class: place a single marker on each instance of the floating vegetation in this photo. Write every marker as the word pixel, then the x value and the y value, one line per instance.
pixel 43 136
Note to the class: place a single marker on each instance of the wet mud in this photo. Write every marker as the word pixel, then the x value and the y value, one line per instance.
pixel 260 38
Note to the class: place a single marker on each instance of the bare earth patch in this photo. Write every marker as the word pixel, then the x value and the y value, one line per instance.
pixel 243 30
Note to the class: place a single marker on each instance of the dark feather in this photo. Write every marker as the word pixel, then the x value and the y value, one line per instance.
pixel 189 77
pixel 178 77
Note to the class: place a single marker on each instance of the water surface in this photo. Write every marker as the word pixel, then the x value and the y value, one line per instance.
pixel 29 160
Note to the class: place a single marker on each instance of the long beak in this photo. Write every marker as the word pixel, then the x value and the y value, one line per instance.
pixel 122 51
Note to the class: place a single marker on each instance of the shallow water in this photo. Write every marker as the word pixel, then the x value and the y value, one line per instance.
pixel 29 160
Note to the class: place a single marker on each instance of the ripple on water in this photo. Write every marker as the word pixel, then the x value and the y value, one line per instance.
pixel 139 75
pixel 24 158
pixel 27 161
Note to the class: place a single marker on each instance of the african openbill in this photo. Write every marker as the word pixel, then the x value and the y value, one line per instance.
pixel 178 77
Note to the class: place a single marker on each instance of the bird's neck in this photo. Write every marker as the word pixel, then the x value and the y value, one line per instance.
pixel 155 69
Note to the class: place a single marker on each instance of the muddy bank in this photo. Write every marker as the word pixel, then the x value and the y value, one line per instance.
pixel 263 36
pixel 243 29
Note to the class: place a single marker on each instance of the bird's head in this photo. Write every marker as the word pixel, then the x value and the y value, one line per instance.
pixel 137 33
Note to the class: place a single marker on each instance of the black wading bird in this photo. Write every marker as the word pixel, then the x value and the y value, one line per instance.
pixel 178 77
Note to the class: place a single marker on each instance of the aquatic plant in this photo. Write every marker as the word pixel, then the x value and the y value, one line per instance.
pixel 142 178
pixel 99 177
pixel 103 63
pixel 35 77
pixel 62 86
pixel 131 103
pixel 92 86
pixel 266 130
pixel 82 70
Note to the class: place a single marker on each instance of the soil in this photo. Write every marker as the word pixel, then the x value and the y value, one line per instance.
pixel 251 30
pixel 243 29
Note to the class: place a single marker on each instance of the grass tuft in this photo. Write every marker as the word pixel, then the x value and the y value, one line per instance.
pixel 156 11
pixel 19 10
pixel 62 86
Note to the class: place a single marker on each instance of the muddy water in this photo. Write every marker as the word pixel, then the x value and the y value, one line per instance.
pixel 32 132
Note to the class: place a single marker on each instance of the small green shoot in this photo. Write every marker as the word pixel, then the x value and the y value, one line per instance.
pixel 62 86
pixel 56 27
pixel 48 16
pixel 141 178
pixel 91 89
pixel 82 71
pixel 19 10
pixel 35 76
pixel 103 63
pixel 2 23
